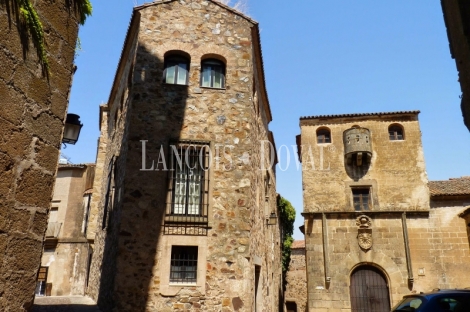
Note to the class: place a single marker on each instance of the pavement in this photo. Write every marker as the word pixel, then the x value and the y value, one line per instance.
pixel 64 304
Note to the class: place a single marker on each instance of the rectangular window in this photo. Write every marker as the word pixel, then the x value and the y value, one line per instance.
pixel 361 198
pixel 183 268
pixel 187 200
pixel 41 281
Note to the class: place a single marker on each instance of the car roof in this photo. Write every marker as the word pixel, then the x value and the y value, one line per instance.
pixel 438 292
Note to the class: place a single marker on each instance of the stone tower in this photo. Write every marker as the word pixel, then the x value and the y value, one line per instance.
pixel 186 182
pixel 368 216
pixel 32 115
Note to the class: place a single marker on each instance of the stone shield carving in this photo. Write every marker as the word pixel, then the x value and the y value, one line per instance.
pixel 365 240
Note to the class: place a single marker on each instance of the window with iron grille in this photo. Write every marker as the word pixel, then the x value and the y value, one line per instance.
pixel 187 207
pixel 183 267
pixel 361 198
pixel 395 133
pixel 323 135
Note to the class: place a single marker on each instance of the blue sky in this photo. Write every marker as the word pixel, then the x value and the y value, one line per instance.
pixel 320 57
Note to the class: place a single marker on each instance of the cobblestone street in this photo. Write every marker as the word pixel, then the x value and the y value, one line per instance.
pixel 65 304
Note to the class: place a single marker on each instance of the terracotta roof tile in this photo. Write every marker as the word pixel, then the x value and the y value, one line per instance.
pixel 453 186
pixel 298 244
pixel 361 114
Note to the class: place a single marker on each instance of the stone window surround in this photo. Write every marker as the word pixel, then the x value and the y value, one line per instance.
pixel 323 129
pixel 371 184
pixel 170 289
pixel 402 132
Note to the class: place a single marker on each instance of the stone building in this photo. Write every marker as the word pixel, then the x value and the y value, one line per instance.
pixel 370 215
pixel 184 189
pixel 457 19
pixel 31 124
pixel 296 279
pixel 67 252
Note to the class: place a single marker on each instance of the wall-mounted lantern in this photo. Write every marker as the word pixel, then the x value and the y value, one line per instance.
pixel 272 220
pixel 72 129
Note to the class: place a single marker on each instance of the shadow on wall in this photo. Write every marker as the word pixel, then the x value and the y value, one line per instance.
pixel 155 113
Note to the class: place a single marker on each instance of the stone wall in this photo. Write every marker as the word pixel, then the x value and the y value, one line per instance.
pixel 67 262
pixel 457 20
pixel 397 173
pixel 131 259
pixel 31 131
pixel 416 244
pixel 296 278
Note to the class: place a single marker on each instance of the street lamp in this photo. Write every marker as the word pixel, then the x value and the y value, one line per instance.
pixel 272 220
pixel 72 129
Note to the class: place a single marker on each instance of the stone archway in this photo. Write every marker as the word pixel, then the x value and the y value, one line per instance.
pixel 369 290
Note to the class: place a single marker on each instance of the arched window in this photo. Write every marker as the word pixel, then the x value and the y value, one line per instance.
pixel 395 132
pixel 176 69
pixel 323 135
pixel 212 73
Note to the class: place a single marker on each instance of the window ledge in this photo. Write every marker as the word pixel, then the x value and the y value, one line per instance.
pixel 212 88
pixel 185 219
pixel 175 84
pixel 182 284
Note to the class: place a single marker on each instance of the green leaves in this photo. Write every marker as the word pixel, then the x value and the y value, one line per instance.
pixel 34 26
pixel 287 218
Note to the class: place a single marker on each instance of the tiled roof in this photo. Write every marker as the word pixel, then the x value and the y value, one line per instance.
pixel 453 186
pixel 298 244
pixel 361 114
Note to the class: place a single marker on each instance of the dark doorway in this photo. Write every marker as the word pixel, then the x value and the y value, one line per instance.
pixel 291 306
pixel 369 290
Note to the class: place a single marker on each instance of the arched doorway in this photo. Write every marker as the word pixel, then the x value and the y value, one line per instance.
pixel 369 290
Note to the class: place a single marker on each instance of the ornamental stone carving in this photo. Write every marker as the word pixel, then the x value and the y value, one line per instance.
pixel 364 235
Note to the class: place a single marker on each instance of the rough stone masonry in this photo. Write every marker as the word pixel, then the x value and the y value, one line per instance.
pixel 32 117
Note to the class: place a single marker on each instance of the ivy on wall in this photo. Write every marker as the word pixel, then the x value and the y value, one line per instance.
pixel 34 26
pixel 287 218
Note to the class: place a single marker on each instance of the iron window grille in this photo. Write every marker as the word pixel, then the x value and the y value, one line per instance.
pixel 213 74
pixel 183 269
pixel 395 133
pixel 187 200
pixel 323 136
pixel 361 199
pixel 176 70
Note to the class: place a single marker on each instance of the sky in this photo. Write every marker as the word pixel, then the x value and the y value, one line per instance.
pixel 321 57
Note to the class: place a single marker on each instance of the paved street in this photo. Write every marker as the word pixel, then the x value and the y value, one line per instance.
pixel 65 304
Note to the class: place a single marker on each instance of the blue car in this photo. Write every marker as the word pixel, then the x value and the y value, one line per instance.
pixel 448 300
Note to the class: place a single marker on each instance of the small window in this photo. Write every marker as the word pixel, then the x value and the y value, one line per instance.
pixel 395 133
pixel 213 74
pixel 41 281
pixel 176 70
pixel 361 198
pixel 183 264
pixel 323 135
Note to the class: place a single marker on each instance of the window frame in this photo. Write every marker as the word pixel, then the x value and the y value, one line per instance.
pixel 184 216
pixel 325 135
pixel 176 60
pixel 361 191
pixel 217 64
pixel 172 289
pixel 191 257
pixel 396 132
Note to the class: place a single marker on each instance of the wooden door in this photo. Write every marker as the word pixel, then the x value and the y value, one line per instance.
pixel 369 290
